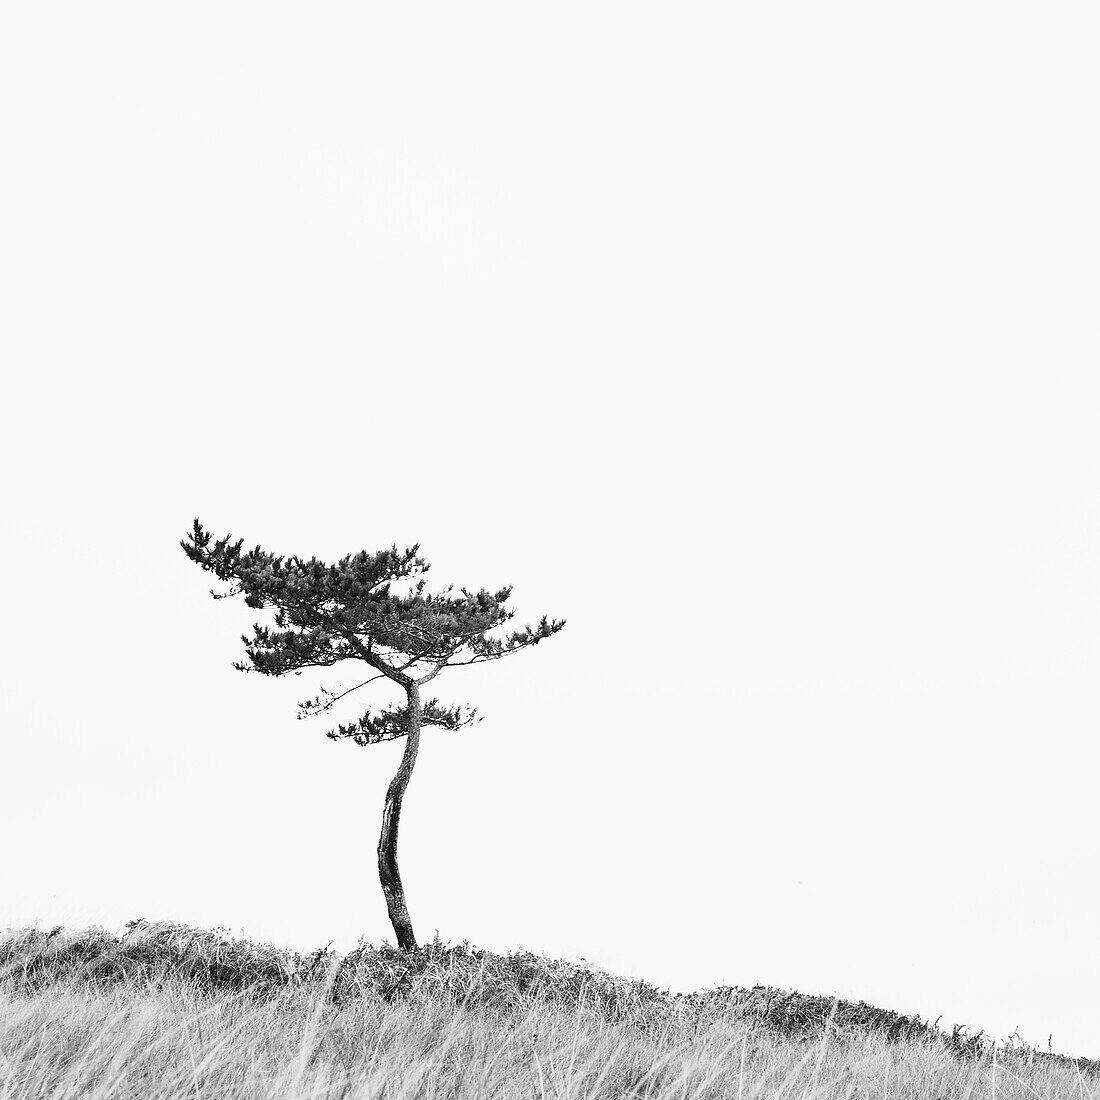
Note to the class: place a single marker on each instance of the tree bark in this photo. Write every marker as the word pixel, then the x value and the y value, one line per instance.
pixel 388 873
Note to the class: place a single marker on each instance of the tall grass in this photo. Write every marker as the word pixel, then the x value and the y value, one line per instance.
pixel 168 1011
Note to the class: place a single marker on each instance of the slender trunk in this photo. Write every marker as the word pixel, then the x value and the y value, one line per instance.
pixel 388 873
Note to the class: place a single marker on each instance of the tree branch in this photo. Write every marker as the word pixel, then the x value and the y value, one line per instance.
pixel 433 674
pixel 313 707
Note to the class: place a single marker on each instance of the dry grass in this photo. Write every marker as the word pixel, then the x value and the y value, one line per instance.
pixel 168 1011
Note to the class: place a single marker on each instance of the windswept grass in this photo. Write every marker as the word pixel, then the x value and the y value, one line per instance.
pixel 169 1011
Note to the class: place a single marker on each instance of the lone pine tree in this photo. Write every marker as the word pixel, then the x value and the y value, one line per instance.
pixel 325 614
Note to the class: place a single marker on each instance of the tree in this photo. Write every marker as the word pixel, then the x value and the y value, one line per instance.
pixel 325 614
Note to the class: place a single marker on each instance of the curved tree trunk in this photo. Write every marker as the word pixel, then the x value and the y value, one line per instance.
pixel 388 873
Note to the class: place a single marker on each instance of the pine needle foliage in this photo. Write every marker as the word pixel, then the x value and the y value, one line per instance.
pixel 326 614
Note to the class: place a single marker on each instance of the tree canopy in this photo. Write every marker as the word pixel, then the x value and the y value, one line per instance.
pixel 325 614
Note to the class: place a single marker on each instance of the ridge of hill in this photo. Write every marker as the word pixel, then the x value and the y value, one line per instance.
pixel 214 960
pixel 165 1011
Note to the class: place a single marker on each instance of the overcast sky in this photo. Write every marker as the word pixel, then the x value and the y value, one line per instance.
pixel 758 341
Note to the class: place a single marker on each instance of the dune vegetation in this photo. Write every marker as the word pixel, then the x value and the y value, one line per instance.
pixel 169 1011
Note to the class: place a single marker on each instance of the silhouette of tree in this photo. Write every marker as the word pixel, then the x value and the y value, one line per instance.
pixel 348 611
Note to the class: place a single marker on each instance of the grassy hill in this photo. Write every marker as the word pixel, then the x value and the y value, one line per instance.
pixel 170 1011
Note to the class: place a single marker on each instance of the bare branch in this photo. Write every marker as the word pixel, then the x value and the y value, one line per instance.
pixel 316 707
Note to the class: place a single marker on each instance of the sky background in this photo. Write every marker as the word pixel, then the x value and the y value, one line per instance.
pixel 758 341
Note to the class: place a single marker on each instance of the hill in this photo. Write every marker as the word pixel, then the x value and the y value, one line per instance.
pixel 170 1011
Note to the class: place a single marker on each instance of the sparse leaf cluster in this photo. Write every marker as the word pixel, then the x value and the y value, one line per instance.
pixel 393 722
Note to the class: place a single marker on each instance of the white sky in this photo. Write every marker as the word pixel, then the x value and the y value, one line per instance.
pixel 756 340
